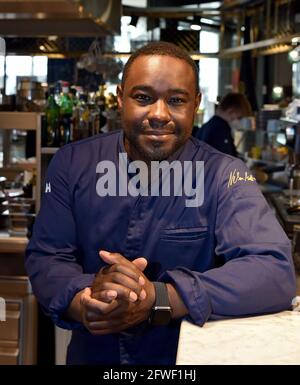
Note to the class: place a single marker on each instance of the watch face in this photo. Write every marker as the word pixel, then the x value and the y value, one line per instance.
pixel 160 316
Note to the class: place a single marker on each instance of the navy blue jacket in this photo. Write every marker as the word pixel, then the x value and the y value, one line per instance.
pixel 228 257
pixel 217 133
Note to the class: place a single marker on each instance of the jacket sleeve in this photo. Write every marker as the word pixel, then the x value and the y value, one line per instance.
pixel 258 274
pixel 52 256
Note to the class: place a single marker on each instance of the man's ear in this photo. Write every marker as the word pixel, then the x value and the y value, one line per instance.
pixel 197 101
pixel 120 96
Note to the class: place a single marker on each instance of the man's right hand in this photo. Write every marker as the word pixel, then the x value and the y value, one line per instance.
pixel 92 309
pixel 83 307
pixel 122 279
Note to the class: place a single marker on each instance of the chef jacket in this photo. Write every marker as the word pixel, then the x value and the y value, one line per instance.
pixel 228 257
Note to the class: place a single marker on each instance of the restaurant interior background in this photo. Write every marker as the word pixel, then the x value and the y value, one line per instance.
pixel 60 62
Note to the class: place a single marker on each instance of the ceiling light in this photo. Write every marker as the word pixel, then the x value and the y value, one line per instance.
pixel 52 38
pixel 206 21
pixel 277 93
pixel 41 15
pixel 195 27
pixel 278 90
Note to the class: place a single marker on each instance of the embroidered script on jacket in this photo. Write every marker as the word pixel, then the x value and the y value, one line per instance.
pixel 235 177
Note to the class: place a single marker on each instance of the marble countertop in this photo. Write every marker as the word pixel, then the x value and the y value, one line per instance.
pixel 263 340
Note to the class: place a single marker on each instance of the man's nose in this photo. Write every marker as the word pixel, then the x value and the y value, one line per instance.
pixel 159 113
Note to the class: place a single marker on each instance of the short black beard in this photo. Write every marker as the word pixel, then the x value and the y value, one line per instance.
pixel 157 154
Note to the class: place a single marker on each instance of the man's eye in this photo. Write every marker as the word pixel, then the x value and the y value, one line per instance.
pixel 176 100
pixel 142 98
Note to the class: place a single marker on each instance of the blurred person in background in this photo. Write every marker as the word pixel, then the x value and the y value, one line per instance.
pixel 217 132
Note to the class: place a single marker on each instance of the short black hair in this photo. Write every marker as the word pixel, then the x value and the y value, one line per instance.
pixel 162 48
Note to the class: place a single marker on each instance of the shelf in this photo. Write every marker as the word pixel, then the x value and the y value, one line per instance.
pixel 28 121
pixel 28 166
pixel 10 244
pixel 49 150
pixel 19 120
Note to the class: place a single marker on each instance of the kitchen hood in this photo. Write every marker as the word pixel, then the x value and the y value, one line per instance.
pixel 80 18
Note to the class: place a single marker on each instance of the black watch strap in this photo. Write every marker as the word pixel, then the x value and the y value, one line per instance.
pixel 161 311
pixel 161 294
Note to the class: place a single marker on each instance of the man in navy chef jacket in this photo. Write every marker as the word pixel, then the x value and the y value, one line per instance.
pixel 122 269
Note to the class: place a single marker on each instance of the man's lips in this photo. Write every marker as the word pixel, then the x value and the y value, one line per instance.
pixel 158 132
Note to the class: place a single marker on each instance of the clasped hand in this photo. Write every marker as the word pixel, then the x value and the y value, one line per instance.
pixel 121 296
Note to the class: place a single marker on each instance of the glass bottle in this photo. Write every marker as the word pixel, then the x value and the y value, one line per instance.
pixel 101 102
pixel 66 116
pixel 52 117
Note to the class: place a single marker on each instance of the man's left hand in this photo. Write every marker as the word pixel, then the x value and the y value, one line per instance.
pixel 127 313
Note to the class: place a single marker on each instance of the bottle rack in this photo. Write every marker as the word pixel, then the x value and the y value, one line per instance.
pixel 18 336
pixel 22 121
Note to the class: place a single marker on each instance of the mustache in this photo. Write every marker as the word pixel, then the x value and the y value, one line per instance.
pixel 157 129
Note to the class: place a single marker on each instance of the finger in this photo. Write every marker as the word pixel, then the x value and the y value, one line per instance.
pixel 104 286
pixel 126 270
pixel 87 291
pixel 126 281
pixel 111 258
pixel 116 314
pixel 104 291
pixel 141 263
pixel 122 292
pixel 116 258
pixel 93 305
pixel 105 295
pixel 90 316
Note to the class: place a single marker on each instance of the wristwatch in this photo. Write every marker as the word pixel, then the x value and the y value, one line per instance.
pixel 161 311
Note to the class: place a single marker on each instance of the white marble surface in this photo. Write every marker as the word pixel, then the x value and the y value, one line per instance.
pixel 270 339
pixel 62 340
